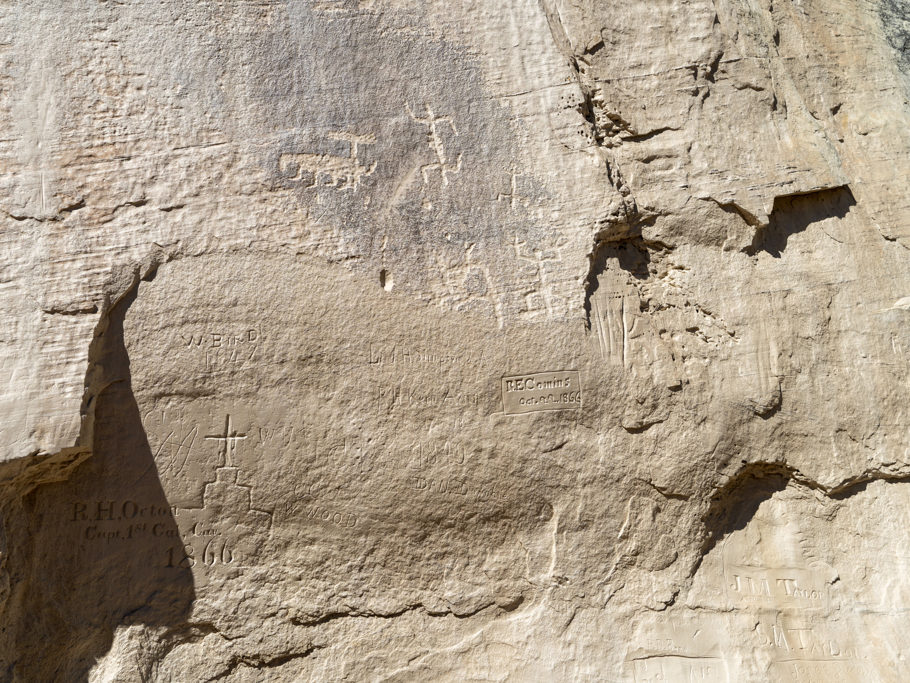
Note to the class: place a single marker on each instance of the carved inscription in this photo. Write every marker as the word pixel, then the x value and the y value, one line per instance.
pixel 778 586
pixel 306 505
pixel 225 530
pixel 431 454
pixel 192 541
pixel 798 640
pixel 175 449
pixel 393 355
pixel 117 521
pixel 819 671
pixel 222 347
pixel 228 441
pixel 541 391
pixel 342 519
pixel 402 396
pixel 352 454
pixel 783 579
pixel 667 668
pixel 804 650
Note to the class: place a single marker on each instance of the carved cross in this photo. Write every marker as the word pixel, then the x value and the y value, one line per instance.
pixel 229 440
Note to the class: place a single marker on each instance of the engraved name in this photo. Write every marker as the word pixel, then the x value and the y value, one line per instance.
pixel 439 485
pixel 224 347
pixel 377 355
pixel 407 396
pixel 217 340
pixel 775 585
pixel 678 668
pixel 126 521
pixel 541 391
pixel 111 521
pixel 321 514
pixel 803 641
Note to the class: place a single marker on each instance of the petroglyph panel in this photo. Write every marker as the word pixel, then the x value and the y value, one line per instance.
pixel 343 172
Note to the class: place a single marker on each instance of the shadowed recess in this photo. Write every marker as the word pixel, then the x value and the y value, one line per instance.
pixel 629 255
pixel 794 213
pixel 734 505
pixel 94 551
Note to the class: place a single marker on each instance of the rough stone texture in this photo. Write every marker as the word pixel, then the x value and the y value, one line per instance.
pixel 395 340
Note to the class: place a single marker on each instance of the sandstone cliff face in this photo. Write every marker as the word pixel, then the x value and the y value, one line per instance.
pixel 394 340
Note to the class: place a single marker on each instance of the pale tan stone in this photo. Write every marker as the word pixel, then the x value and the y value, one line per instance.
pixel 396 340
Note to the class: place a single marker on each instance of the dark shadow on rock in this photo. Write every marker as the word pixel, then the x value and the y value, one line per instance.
pixel 793 214
pixel 100 550
pixel 733 506
pixel 630 255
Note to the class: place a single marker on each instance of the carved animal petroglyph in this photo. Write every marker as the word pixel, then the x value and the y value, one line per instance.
pixel 341 172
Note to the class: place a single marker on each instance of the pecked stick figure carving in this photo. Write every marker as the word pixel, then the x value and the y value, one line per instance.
pixel 442 164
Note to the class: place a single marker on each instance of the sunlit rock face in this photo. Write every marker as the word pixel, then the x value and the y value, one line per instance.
pixel 403 340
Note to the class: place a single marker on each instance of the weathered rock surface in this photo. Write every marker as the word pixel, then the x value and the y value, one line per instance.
pixel 394 340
